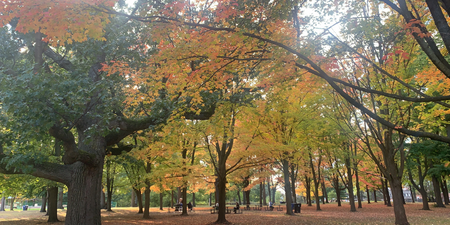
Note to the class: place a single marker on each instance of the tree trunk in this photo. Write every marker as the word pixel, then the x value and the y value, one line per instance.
pixel 437 192
pixel 184 194
pixel 60 198
pixel 287 187
pixel 193 199
pixel 424 194
pixel 308 190
pixel 444 189
pixel 293 180
pixel 316 182
pixel 337 189
pixel 358 190
pixel 350 186
pixel 83 205
pixel 388 197
pixel 239 197
pixel 2 202
pixel 44 202
pixel 147 203
pixel 102 200
pixel 268 190
pixel 52 205
pixel 11 207
pixel 368 194
pixel 139 200
pixel 399 208
pixel 160 201
pixel 260 193
pixel 264 193
pixel 324 192
pixel 221 184
pixel 133 198
pixel 413 196
pixel 171 202
pixel 375 196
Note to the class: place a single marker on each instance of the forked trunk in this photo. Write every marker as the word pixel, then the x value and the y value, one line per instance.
pixel 83 206
pixel 424 194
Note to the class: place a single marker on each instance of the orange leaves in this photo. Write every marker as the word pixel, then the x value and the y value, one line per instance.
pixel 413 26
pixel 60 20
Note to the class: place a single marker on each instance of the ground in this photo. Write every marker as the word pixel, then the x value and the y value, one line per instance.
pixel 331 214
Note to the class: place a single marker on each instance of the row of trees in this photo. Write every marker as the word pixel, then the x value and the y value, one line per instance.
pixel 273 91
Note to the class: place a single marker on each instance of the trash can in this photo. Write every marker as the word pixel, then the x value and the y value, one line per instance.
pixel 297 207
pixel 24 207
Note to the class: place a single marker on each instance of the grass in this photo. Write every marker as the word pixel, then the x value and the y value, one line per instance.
pixel 330 214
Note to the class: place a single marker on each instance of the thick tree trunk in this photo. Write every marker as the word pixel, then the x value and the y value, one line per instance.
pixel 11 207
pixel 399 208
pixel 239 197
pixel 52 205
pixel 44 202
pixel 133 198
pixel 221 184
pixel 2 202
pixel 287 187
pixel 437 192
pixel 368 194
pixel 147 203
pixel 60 198
pixel 83 206
pixel 108 200
pixel 424 194
pixel 139 200
pixel 269 191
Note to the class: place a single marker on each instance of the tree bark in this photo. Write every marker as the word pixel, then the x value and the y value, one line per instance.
pixel 350 185
pixel 60 198
pixel 399 209
pixel 337 189
pixel 44 202
pixel 11 207
pixel 260 193
pixel 316 182
pixel 358 190
pixel 194 204
pixel 368 194
pixel 375 195
pixel 147 203
pixel 133 198
pixel 161 201
pixel 2 202
pixel 444 189
pixel 287 187
pixel 102 199
pixel 437 192
pixel 308 190
pixel 52 204
pixel 83 205
pixel 268 190
pixel 139 200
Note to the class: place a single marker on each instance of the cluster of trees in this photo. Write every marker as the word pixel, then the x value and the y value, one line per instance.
pixel 214 93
